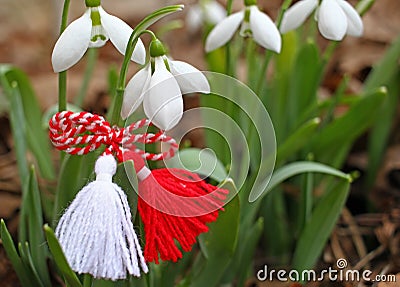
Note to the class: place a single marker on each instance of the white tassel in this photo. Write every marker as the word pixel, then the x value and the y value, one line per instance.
pixel 96 232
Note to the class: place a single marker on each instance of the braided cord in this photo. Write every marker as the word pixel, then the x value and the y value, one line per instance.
pixel 84 132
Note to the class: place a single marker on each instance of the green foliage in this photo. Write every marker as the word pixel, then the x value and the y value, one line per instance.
pixel 318 228
pixel 25 116
pixel 59 258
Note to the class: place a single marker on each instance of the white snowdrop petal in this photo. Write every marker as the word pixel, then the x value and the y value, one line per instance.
pixel 214 12
pixel 119 33
pixel 297 14
pixel 72 44
pixel 162 102
pixel 354 22
pixel 134 91
pixel 194 18
pixel 190 79
pixel 223 31
pixel 265 33
pixel 332 22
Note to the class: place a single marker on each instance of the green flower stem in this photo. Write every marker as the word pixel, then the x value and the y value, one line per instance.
pixel 116 105
pixel 91 61
pixel 62 76
pixel 363 6
pixel 228 68
pixel 62 91
pixel 268 54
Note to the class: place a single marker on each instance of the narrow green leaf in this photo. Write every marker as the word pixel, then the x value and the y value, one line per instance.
pixel 385 69
pixel 90 64
pixel 112 80
pixel 59 258
pixel 87 280
pixel 295 168
pixel 385 73
pixel 279 236
pixel 12 254
pixel 363 6
pixel 247 248
pixel 171 271
pixel 302 91
pixel 17 120
pixel 34 134
pixel 306 200
pixel 315 234
pixel 220 240
pixel 18 127
pixel 31 213
pixel 201 161
pixel 108 283
pixel 30 266
pixel 219 243
pixel 381 129
pixel 75 173
pixel 296 140
pixel 346 129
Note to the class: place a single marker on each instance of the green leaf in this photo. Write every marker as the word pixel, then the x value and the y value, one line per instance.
pixel 302 90
pixel 201 161
pixel 12 254
pixel 363 6
pixel 385 69
pixel 296 140
pixel 18 128
pixel 34 134
pixel 244 255
pixel 75 173
pixel 219 243
pixel 385 73
pixel 26 258
pixel 332 143
pixel 381 129
pixel 59 258
pixel 317 231
pixel 31 214
pixel 295 168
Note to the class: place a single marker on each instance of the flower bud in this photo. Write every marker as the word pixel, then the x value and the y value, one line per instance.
pixel 250 2
pixel 92 3
pixel 157 49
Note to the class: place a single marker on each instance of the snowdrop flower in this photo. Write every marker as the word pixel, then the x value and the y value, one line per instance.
pixel 254 23
pixel 160 85
pixel 336 18
pixel 93 29
pixel 206 11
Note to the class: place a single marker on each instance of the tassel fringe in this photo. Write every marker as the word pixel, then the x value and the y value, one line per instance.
pixel 96 232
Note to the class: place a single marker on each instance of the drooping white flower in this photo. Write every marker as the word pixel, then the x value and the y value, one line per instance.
pixel 336 18
pixel 254 23
pixel 159 86
pixel 93 29
pixel 206 11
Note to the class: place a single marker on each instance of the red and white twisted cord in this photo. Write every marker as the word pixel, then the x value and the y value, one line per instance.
pixel 81 133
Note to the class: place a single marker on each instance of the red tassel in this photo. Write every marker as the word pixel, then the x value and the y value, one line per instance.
pixel 174 204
